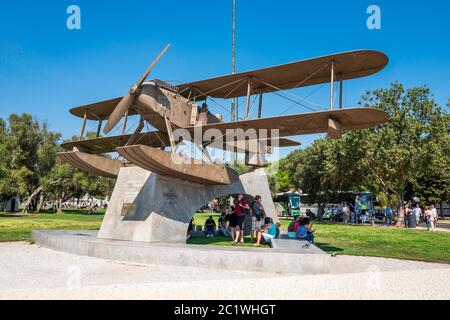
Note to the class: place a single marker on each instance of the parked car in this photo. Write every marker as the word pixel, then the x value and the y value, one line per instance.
pixel 379 214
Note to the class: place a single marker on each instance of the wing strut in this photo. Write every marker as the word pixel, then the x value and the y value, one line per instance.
pixel 249 94
pixel 170 133
pixel 135 137
pixel 332 86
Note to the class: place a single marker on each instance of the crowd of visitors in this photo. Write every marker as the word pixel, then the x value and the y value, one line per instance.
pixel 234 218
pixel 232 221
pixel 415 215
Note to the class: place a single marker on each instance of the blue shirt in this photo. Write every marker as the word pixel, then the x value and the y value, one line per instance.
pixel 388 212
pixel 272 230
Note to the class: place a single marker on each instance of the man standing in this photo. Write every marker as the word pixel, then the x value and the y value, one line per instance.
pixel 388 216
pixel 257 216
pixel 418 213
pixel 435 215
pixel 357 209
pixel 242 209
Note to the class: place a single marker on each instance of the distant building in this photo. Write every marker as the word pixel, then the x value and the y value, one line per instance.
pixel 10 205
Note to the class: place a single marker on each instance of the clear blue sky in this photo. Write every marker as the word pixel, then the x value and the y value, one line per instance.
pixel 45 69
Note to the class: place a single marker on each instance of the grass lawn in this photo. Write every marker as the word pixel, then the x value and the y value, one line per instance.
pixel 366 241
pixel 18 228
pixel 340 239
pixel 384 242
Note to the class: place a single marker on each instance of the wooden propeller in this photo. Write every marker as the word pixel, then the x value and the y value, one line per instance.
pixel 128 100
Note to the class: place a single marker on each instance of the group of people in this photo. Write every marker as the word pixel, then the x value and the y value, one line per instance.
pixel 357 213
pixel 429 215
pixel 302 229
pixel 233 218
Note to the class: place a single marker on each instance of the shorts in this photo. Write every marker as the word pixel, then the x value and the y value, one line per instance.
pixel 268 237
pixel 240 222
pixel 256 225
pixel 232 221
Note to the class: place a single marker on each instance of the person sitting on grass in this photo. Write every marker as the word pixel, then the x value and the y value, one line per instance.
pixel 305 231
pixel 298 221
pixel 223 229
pixel 210 227
pixel 268 232
pixel 291 226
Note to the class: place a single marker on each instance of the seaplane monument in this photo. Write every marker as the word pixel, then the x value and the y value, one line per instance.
pixel 158 188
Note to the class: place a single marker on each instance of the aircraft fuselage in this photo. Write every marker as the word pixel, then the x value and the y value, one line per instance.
pixel 155 104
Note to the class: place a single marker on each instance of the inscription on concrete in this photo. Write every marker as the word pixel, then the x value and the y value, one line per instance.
pixel 170 198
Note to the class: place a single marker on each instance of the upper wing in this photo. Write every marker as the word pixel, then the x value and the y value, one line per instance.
pixel 109 144
pixel 308 123
pixel 349 65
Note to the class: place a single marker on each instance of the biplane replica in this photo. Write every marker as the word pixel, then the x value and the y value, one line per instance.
pixel 167 108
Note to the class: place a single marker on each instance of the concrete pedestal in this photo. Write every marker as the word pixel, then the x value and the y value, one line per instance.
pixel 147 207
pixel 277 260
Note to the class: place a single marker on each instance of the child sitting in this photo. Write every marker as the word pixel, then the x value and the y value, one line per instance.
pixel 305 231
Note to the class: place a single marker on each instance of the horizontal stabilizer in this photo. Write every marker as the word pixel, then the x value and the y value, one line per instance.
pixel 109 144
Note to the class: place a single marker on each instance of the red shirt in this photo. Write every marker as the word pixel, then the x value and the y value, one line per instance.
pixel 239 207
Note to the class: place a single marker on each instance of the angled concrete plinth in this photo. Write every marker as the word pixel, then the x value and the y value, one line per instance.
pixel 148 207
pixel 285 261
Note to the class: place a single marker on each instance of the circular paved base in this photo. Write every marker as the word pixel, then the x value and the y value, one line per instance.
pixel 85 243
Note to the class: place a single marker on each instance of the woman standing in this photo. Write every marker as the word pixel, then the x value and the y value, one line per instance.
pixel 429 218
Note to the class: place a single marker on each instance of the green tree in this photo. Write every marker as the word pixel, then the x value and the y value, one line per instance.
pixel 27 152
pixel 412 146
pixel 406 157
pixel 30 168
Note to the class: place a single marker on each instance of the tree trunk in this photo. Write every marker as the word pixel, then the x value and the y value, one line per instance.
pixel 56 206
pixel 34 194
pixel 30 199
pixel 401 211
pixel 320 211
pixel 59 203
pixel 40 202
pixel 60 206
